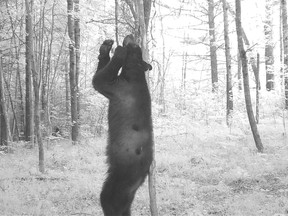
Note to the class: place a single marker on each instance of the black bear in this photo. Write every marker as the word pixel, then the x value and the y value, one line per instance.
pixel 129 149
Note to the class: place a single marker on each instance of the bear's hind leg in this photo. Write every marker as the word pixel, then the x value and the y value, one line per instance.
pixel 116 196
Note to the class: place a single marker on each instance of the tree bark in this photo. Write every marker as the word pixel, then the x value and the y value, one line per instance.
pixel 72 74
pixel 116 22
pixel 29 117
pixel 14 103
pixel 46 75
pixel 281 49
pixel 239 72
pixel 285 48
pixel 257 88
pixel 36 84
pixel 229 91
pixel 252 59
pixel 5 136
pixel 269 57
pixel 77 52
pixel 67 104
pixel 162 67
pixel 143 7
pixel 248 103
pixel 213 48
pixel 143 29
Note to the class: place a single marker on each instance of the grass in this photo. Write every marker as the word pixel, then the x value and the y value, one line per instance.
pixel 201 170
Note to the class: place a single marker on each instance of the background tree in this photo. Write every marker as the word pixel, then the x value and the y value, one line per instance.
pixel 257 88
pixel 17 107
pixel 77 53
pixel 213 47
pixel 4 125
pixel 36 84
pixel 116 22
pixel 72 73
pixel 269 46
pixel 243 56
pixel 229 91
pixel 144 7
pixel 285 48
pixel 29 114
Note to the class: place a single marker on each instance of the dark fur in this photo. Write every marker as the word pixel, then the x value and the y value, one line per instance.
pixel 129 149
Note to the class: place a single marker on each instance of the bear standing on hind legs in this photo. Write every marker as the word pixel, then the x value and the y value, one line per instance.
pixel 129 149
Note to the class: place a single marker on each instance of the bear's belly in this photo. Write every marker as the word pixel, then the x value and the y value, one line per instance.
pixel 132 147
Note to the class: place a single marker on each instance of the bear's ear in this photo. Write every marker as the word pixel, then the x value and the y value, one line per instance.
pixel 147 66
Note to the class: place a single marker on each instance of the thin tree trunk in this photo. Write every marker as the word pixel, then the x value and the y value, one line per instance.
pixel 184 70
pixel 285 48
pixel 269 57
pixel 239 72
pixel 45 94
pixel 257 88
pixel 72 74
pixel 67 104
pixel 247 43
pixel 254 66
pixel 116 22
pixel 229 92
pixel 143 29
pixel 29 117
pixel 20 97
pixel 5 136
pixel 281 50
pixel 17 48
pixel 36 83
pixel 143 8
pixel 77 54
pixel 162 69
pixel 213 48
pixel 248 103
pixel 15 122
pixel 183 81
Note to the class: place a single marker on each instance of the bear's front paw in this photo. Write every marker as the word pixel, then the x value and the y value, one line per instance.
pixel 105 48
pixel 120 53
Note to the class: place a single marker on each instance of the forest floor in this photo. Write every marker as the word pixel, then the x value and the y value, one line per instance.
pixel 208 170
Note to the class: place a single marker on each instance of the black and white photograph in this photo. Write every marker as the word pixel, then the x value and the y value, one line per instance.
pixel 143 108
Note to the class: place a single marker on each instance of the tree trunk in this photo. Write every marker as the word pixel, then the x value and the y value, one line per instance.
pixel 269 58
pixel 257 88
pixel 183 80
pixel 143 7
pixel 45 94
pixel 243 56
pixel 67 104
pixel 72 74
pixel 213 48
pixel 116 22
pixel 17 107
pixel 5 136
pixel 162 68
pixel 252 59
pixel 36 84
pixel 143 29
pixel 15 122
pixel 285 48
pixel 239 72
pixel 281 50
pixel 29 117
pixel 254 66
pixel 229 92
pixel 77 52
pixel 184 70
